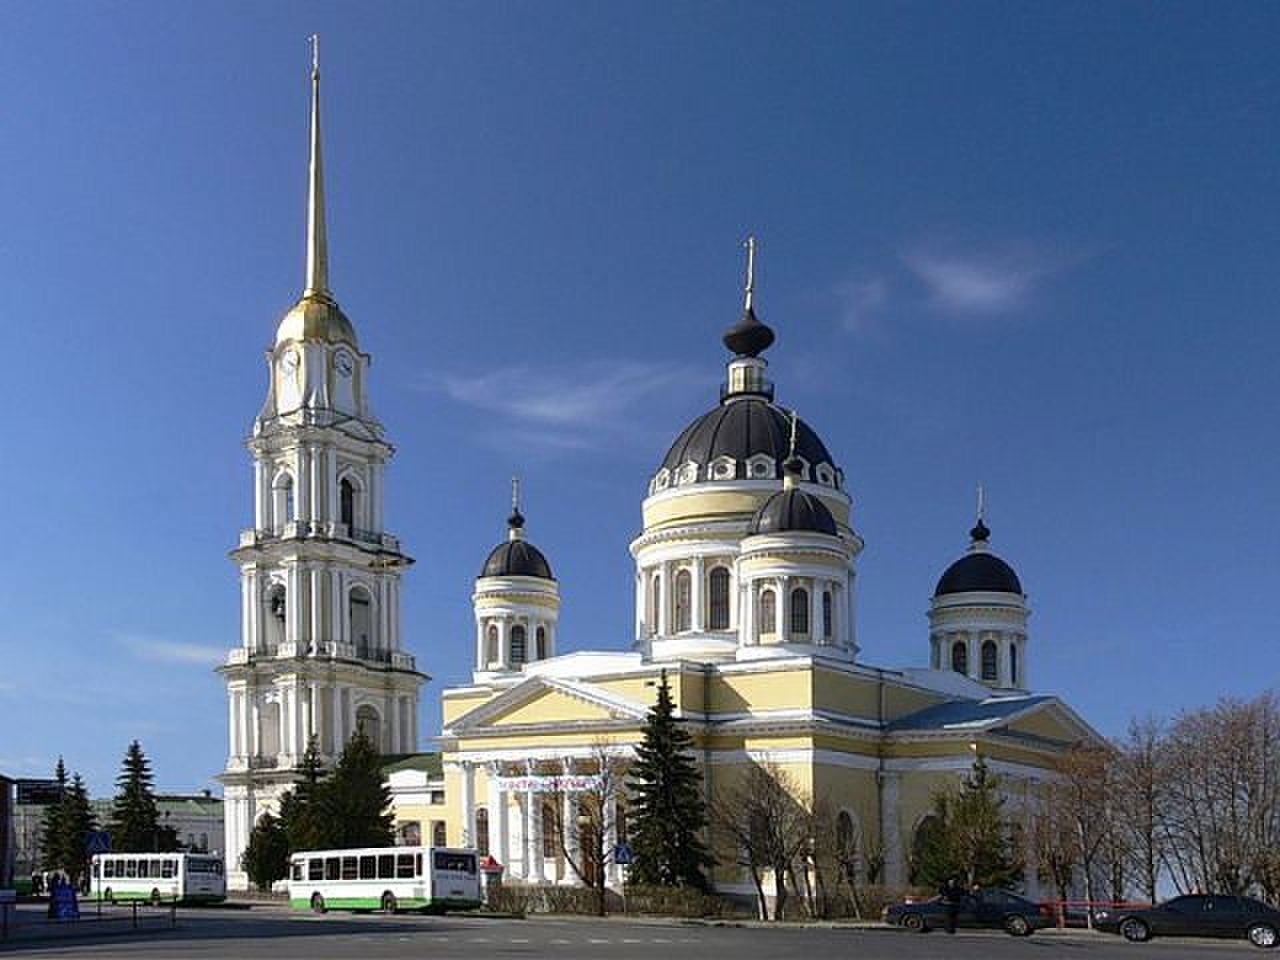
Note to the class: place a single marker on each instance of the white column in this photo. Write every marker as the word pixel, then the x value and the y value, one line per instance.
pixel 572 845
pixel 480 651
pixel 504 652
pixel 664 598
pixel 255 745
pixel 316 608
pixel 302 489
pixel 331 483
pixel 349 700
pixel 890 836
pixel 526 826
pixel 468 804
pixel 254 637
pixel 500 845
pixel 315 482
pixel 974 643
pixel 233 745
pixel 696 619
pixel 815 611
pixel 246 722
pixel 537 827
pixel 614 871
pixel 392 726
pixel 784 610
pixel 259 496
pixel 313 717
pixel 335 717
pixel 639 606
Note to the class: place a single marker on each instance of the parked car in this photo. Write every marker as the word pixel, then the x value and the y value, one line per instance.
pixel 988 909
pixel 1196 915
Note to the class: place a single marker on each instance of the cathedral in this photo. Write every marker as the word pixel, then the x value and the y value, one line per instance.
pixel 745 602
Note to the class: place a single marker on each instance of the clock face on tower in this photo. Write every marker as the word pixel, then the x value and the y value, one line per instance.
pixel 343 363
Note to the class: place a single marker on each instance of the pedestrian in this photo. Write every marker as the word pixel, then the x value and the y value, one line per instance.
pixel 952 894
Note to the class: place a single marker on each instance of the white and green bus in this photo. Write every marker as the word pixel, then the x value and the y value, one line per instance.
pixel 387 878
pixel 157 877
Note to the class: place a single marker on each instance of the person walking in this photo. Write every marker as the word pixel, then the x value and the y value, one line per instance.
pixel 952 895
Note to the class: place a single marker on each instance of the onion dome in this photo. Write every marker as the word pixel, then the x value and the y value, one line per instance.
pixel 792 510
pixel 517 557
pixel 979 570
pixel 316 317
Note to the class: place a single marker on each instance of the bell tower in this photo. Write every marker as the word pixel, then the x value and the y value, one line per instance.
pixel 321 653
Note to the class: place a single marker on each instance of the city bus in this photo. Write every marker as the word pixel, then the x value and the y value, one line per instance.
pixel 387 878
pixel 157 877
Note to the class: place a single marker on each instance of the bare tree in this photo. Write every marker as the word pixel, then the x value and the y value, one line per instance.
pixel 770 829
pixel 1141 792
pixel 586 799
pixel 1083 788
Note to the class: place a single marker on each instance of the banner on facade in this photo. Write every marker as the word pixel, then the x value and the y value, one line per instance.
pixel 565 784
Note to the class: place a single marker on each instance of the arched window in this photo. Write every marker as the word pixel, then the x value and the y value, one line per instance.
pixel 360 618
pixel 960 657
pixel 541 643
pixel 347 497
pixel 828 627
pixel 990 667
pixel 1013 665
pixel 277 610
pixel 799 611
pixel 439 835
pixel 368 723
pixel 282 501
pixel 684 596
pixel 519 645
pixel 925 835
pixel 550 829
pixel 768 612
pixel 718 595
pixel 491 645
pixel 482 831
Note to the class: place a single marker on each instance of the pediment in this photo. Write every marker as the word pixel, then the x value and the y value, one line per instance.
pixel 541 701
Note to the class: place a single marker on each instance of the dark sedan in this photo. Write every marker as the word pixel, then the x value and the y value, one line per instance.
pixel 986 909
pixel 1196 915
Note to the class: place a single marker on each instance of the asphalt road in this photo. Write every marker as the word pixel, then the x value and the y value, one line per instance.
pixel 278 934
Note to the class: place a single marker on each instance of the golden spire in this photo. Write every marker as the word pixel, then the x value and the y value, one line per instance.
pixel 317 241
pixel 750 244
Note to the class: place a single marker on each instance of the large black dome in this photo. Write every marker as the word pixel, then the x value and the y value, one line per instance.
pixel 741 428
pixel 793 510
pixel 978 571
pixel 517 558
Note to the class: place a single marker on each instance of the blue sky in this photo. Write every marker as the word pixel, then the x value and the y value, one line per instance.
pixel 1032 246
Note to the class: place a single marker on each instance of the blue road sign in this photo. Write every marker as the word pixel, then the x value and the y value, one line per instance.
pixel 97 841
pixel 623 855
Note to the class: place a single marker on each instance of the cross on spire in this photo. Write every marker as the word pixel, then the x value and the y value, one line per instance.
pixel 750 244
pixel 515 522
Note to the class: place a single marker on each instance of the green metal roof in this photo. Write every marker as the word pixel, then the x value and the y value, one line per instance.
pixel 429 763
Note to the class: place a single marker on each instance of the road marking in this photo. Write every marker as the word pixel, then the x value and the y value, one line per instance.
pixel 479 939
pixel 596 940
pixel 559 942
pixel 660 940
pixel 519 940
pixel 632 940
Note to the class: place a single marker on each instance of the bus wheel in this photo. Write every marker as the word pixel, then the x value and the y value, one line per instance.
pixel 155 898
pixel 108 895
pixel 388 902
pixel 317 903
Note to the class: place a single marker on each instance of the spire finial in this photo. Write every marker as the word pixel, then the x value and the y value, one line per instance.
pixel 317 239
pixel 749 337
pixel 980 533
pixel 750 244
pixel 793 466
pixel 515 522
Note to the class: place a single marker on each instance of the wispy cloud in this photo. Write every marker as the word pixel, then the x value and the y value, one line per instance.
pixel 968 283
pixel 7 687
pixel 173 651
pixel 861 301
pixel 568 408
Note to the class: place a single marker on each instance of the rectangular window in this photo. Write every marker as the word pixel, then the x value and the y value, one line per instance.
pixel 130 869
pixel 315 869
pixel 417 865
pixel 369 868
pixel 108 868
pixel 97 868
pixel 386 866
pixel 349 869
pixel 155 868
pixel 456 862
pixel 167 870
pixel 297 870
pixel 404 866
pixel 331 868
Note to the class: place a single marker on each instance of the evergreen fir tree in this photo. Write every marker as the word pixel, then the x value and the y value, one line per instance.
pixel 353 805
pixel 51 829
pixel 669 813
pixel 266 858
pixel 967 837
pixel 135 821
pixel 299 810
pixel 77 820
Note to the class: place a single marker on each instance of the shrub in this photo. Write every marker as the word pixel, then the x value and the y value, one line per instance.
pixel 676 902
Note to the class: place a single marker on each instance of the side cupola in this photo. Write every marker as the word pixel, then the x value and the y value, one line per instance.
pixel 516 602
pixel 978 617
pixel 796 572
